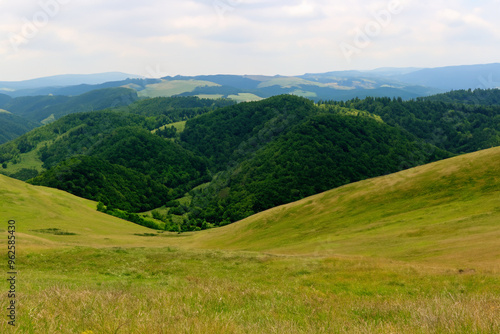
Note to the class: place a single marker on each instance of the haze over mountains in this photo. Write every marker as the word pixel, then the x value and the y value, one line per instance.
pixel 136 144
pixel 402 82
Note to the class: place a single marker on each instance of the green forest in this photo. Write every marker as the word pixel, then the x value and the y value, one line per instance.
pixel 231 160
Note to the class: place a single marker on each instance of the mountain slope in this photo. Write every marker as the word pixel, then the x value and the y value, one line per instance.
pixel 322 152
pixel 447 211
pixel 114 185
pixel 63 80
pixel 253 155
pixel 457 128
pixel 456 77
pixel 41 212
pixel 49 108
pixel 483 97
pixel 12 126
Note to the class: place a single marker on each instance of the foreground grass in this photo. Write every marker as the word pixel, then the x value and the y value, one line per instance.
pixel 420 255
pixel 168 290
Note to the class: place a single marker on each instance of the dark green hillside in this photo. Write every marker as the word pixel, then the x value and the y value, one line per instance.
pixel 485 97
pixel 252 156
pixel 113 185
pixel 4 99
pixel 457 128
pixel 12 126
pixel 111 137
pixel 29 106
pixel 321 153
pixel 69 136
pixel 165 161
pixel 77 133
pixel 175 109
pixel 48 108
pixel 231 134
pixel 120 140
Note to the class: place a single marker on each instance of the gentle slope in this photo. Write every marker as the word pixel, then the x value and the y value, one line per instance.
pixel 447 212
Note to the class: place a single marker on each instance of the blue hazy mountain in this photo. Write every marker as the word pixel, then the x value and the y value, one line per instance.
pixel 32 86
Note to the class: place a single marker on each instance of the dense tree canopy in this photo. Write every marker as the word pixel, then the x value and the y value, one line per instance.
pixel 114 185
pixel 239 159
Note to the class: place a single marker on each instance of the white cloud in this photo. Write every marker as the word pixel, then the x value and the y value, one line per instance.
pixel 243 36
pixel 305 9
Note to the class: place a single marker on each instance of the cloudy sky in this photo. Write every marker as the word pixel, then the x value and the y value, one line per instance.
pixel 164 37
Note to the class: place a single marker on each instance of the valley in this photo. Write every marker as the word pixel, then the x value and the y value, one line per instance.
pixel 374 215
pixel 407 259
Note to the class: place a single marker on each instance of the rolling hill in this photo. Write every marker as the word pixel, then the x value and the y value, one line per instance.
pixel 407 83
pixel 52 84
pixel 248 156
pixel 485 76
pixel 415 251
pixel 12 126
pixel 447 212
pixel 47 108
pixel 46 217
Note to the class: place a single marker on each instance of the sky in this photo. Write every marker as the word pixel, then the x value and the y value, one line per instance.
pixel 156 38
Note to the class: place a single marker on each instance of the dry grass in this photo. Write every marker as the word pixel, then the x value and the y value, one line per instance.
pixel 173 291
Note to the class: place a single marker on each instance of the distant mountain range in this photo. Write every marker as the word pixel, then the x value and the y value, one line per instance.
pixel 406 83
pixel 67 84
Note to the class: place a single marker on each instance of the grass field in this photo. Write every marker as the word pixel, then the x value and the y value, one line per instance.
pixel 413 252
pixel 304 93
pixel 173 87
pixel 180 126
pixel 288 82
pixel 28 160
pixel 245 97
pixel 446 213
pixel 166 290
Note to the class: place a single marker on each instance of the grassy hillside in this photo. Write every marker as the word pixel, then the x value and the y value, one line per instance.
pixel 446 212
pixel 321 268
pixel 174 87
pixel 43 215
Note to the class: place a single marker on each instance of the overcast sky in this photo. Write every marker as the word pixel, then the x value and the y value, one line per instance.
pixel 164 37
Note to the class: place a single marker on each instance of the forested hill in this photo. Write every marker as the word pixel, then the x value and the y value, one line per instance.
pixel 484 97
pixel 48 108
pixel 457 128
pixel 322 152
pixel 231 134
pixel 238 159
pixel 12 126
pixel 119 139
